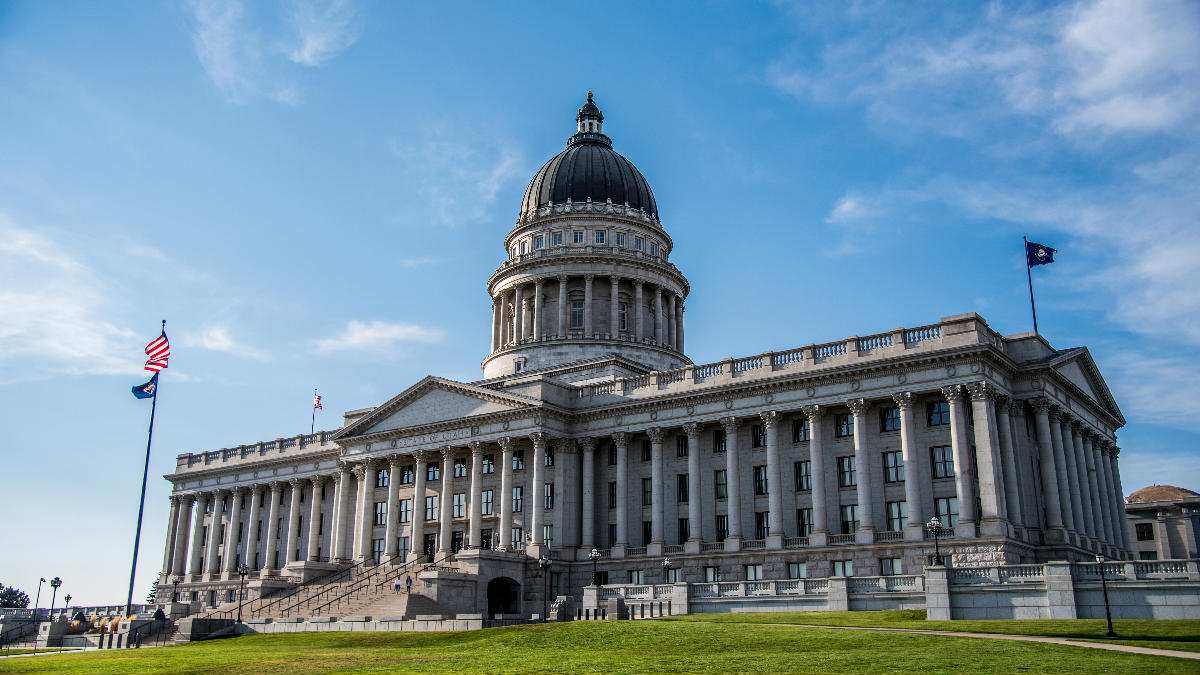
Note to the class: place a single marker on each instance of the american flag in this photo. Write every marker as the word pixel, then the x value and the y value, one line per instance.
pixel 317 402
pixel 159 350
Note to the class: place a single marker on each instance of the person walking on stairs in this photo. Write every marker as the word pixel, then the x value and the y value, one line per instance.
pixel 396 586
pixel 407 584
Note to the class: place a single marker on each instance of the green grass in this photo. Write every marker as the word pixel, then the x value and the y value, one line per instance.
pixel 40 650
pixel 607 647
pixel 1183 635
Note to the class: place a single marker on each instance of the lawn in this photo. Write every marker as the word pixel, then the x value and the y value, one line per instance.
pixel 607 647
pixel 1179 635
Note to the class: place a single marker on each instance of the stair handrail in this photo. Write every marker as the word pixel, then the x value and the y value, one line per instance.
pixel 354 586
pixel 366 581
pixel 302 586
pixel 371 570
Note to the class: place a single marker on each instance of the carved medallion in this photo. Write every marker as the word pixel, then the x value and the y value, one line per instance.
pixel 901 378
pixel 810 392
pixel 951 370
pixel 728 404
pixel 691 409
pixel 855 385
pixel 653 414
pixel 768 398
pixel 505 425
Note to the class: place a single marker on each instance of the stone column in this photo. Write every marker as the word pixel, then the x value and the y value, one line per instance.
pixel 587 305
pixel 506 486
pixel 504 319
pixel 169 549
pixel 253 528
pixel 733 501
pixel 864 463
pixel 195 564
pixel 446 510
pixel 314 518
pixel 770 420
pixel 519 314
pixel 588 531
pixel 671 333
pixel 288 540
pixel 1086 480
pixel 1012 497
pixel 679 326
pixel 343 518
pixel 914 472
pixel 391 531
pixel 659 327
pixel 182 520
pixel 496 323
pixel 658 499
pixel 695 514
pixel 987 458
pixel 1063 469
pixel 562 314
pixel 962 462
pixel 615 319
pixel 537 310
pixel 214 534
pixel 231 538
pixel 535 503
pixel 1119 498
pixel 816 457
pixel 621 440
pixel 364 473
pixel 1053 507
pixel 416 536
pixel 473 530
pixel 272 526
pixel 1102 488
pixel 640 310
pixel 1074 475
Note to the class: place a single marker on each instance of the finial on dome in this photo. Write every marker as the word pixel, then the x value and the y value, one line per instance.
pixel 589 97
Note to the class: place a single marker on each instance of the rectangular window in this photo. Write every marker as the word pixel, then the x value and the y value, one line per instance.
pixel 722 527
pixel 754 572
pixel 406 475
pixel 893 467
pixel 460 467
pixel 647 491
pixel 518 538
pixel 622 314
pixel 612 456
pixel 684 530
pixel 405 510
pixel 897 516
pixel 849 518
pixel 803 471
pixel 889 419
pixel 539 241
pixel 518 460
pixel 843 568
pixel 636 578
pixel 942 459
pixel 938 413
pixel 843 425
pixel 518 497
pixel 548 534
pixel 1144 531
pixel 612 495
pixel 403 547
pixel 377 550
pixel 548 457
pixel 488 465
pixel 647 451
pixel 485 502
pixel 681 486
pixel 381 513
pixel 681 445
pixel 720 487
pixel 804 522
pixel 612 534
pixel 653 248
pixel 599 236
pixel 800 430
pixel 433 471
pixel 672 575
pixel 639 244
pixel 1148 555
pixel 762 524
pixel 556 238
pixel 548 496
pixel 431 508
pixel 946 509
pixel 712 574
pixel 460 504
pixel 847 476
pixel 577 236
pixel 760 479
pixel 758 436
pixel 889 567
pixel 381 478
pixel 621 239
pixel 797 570
pixel 718 440
pixel 577 314
pixel 647 532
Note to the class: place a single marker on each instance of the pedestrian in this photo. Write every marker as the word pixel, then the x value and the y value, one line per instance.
pixel 407 584
pixel 397 586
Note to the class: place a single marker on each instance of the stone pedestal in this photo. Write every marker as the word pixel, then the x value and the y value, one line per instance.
pixel 691 546
pixel 774 542
pixel 838 599
pixel 654 549
pixel 993 527
pixel 819 539
pixel 617 551
pixel 733 544
pixel 914 532
pixel 865 535
pixel 1060 590
pixel 937 594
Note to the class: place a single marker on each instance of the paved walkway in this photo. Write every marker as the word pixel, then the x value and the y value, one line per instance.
pixel 1195 656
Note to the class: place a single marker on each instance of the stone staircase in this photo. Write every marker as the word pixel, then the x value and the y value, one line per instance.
pixel 390 604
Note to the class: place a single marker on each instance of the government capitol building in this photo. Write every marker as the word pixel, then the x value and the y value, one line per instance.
pixel 592 441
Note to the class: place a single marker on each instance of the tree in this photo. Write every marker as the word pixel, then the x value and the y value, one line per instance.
pixel 11 596
pixel 151 597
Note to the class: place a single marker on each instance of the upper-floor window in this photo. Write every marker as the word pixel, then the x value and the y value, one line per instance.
pixel 681 488
pixel 647 492
pixel 946 509
pixel 488 464
pixel 647 451
pixel 897 516
pixel 576 314
pixel 758 436
pixel 599 237
pixel 460 467
pixel 800 430
pixel 849 518
pixel 942 458
pixel 639 244
pixel 803 475
pixel 760 480
pixel 681 445
pixel 518 460
pixel 718 440
pixel 720 485
pixel 381 478
pixel 548 496
pixel 431 508
pixel 653 248
pixel 889 419
pixel 1144 531
pixel 621 239
pixel 460 504
pixel 433 471
pixel 485 502
pixel 577 236
pixel 622 312
pixel 754 572
pixel 405 510
pixel 938 413
pixel 548 458
pixel 843 425
pixel 539 241
pixel 556 238
pixel 406 474
pixel 797 570
pixel 524 247
pixel 846 473
pixel 893 466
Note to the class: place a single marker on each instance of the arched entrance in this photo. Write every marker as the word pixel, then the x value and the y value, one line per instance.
pixel 503 597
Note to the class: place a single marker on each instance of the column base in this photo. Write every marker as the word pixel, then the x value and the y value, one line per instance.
pixel 965 529
pixel 617 551
pixel 691 546
pixel 733 544
pixel 537 550
pixel 774 541
pixel 865 535
pixel 914 532
pixel 819 538
pixel 993 527
pixel 414 557
pixel 654 549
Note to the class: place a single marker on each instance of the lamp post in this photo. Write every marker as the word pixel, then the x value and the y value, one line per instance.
pixel 595 556
pixel 242 571
pixel 1104 585
pixel 38 601
pixel 935 528
pixel 175 581
pixel 54 584
pixel 544 563
pixel 666 565
pixel 67 603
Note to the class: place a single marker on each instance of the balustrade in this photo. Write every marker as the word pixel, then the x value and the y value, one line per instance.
pixel 874 342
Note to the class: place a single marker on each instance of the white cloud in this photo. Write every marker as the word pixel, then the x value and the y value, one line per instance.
pixel 376 336
pixel 321 30
pixel 1157 389
pixel 219 339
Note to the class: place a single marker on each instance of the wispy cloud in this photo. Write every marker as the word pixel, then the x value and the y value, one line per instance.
pixel 218 338
pixel 321 30
pixel 376 336
pixel 1140 468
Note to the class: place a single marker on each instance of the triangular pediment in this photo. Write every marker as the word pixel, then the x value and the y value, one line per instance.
pixel 1077 367
pixel 434 400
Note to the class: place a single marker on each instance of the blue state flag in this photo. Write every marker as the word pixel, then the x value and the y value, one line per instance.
pixel 146 390
pixel 1036 254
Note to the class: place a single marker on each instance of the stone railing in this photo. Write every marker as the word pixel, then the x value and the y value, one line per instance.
pixel 240 452
pixel 889 536
pixel 753 544
pixel 1141 570
pixel 795 542
pixel 840 539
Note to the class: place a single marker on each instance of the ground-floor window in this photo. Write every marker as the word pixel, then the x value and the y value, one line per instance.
pixel 636 577
pixel 843 568
pixel 889 566
pixel 754 572
pixel 377 550
pixel 712 574
pixel 797 570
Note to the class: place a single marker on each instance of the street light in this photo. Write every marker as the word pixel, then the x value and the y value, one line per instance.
pixel 666 565
pixel 175 581
pixel 242 571
pixel 544 563
pixel 54 584
pixel 935 528
pixel 595 556
pixel 1104 585
pixel 38 601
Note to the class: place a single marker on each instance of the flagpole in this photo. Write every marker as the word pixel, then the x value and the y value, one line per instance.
pixel 313 428
pixel 1029 276
pixel 137 538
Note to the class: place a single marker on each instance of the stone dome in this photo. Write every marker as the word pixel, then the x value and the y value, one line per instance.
pixel 589 168
pixel 1159 493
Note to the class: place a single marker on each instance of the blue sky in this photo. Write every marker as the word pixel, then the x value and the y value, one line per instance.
pixel 313 194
